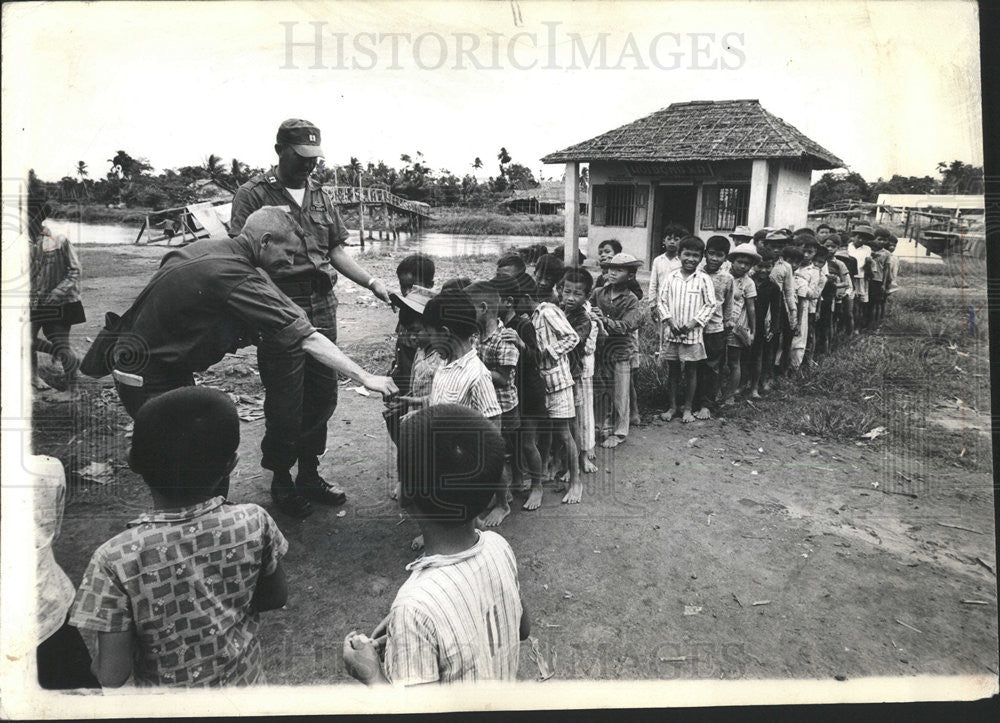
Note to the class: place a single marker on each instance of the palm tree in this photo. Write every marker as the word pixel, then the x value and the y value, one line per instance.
pixel 217 172
pixel 81 171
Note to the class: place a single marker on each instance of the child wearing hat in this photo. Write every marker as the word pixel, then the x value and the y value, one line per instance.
pixel 686 303
pixel 175 598
pixel 767 312
pixel 617 310
pixel 743 318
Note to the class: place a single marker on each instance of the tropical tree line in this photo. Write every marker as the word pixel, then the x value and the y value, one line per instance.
pixel 956 177
pixel 130 181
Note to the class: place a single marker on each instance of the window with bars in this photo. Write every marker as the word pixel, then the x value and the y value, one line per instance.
pixel 619 205
pixel 723 208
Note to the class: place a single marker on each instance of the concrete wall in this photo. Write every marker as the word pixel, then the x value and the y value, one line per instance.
pixel 634 239
pixel 791 197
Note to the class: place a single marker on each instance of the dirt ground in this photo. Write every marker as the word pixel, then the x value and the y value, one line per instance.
pixel 710 550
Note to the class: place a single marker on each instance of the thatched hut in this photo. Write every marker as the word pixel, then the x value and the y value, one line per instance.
pixel 708 165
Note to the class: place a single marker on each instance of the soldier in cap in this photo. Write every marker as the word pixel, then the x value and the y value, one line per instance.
pixel 301 394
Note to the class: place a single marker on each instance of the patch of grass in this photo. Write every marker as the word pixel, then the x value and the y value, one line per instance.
pixel 925 351
pixel 955 272
pixel 96 213
pixel 479 222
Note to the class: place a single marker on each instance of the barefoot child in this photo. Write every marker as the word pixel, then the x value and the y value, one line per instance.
pixel 459 618
pixel 575 289
pixel 175 598
pixel 499 350
pixel 783 275
pixel 513 291
pixel 556 338
pixel 617 309
pixel 743 315
pixel 686 303
pixel 800 322
pixel 717 328
pixel 767 315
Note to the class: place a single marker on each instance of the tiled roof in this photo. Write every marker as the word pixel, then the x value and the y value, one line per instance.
pixel 702 130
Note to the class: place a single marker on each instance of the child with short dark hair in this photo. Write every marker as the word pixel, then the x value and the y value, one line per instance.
pixel 556 338
pixel 511 265
pixel 783 275
pixel 513 292
pixel 415 270
pixel 665 262
pixel 891 283
pixel 574 290
pixel 548 271
pixel 175 598
pixel 450 460
pixel 815 275
pixel 456 284
pixel 499 350
pixel 837 243
pixel 450 318
pixel 876 282
pixel 717 328
pixel 800 330
pixel 686 303
pixel 767 317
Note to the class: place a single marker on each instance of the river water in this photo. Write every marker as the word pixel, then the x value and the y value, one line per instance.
pixel 436 244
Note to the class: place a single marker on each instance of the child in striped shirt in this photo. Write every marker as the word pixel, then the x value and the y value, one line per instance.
pixel 574 290
pixel 686 303
pixel 450 319
pixel 556 338
pixel 459 618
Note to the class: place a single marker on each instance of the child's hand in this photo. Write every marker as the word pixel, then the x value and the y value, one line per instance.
pixel 361 658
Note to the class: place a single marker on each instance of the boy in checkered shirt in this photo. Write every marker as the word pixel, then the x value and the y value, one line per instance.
pixel 175 598
pixel 499 350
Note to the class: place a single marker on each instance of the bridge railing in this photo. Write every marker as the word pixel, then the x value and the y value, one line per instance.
pixel 349 195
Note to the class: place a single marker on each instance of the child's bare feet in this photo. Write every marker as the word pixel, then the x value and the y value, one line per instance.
pixel 767 385
pixel 668 415
pixel 418 543
pixel 534 500
pixel 586 465
pixel 39 384
pixel 574 494
pixel 754 394
pixel 728 401
pixel 688 417
pixel 496 514
pixel 613 441
pixel 702 413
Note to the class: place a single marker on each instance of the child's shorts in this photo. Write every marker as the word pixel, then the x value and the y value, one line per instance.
pixel 875 295
pixel 861 290
pixel 560 404
pixel 676 351
pixel 510 421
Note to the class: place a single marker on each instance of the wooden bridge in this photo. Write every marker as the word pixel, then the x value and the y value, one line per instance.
pixel 380 210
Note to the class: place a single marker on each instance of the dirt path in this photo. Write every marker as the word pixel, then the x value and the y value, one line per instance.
pixel 710 550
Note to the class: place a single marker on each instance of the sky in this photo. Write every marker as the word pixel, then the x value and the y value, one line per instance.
pixel 889 87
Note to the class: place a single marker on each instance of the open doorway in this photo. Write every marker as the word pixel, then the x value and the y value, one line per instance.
pixel 671 204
